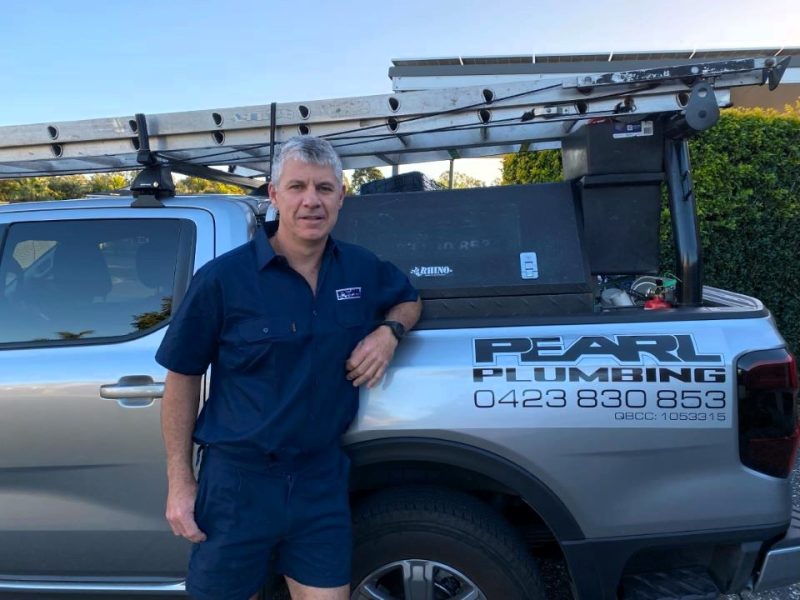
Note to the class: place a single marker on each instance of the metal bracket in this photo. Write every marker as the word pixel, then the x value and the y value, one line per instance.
pixel 273 115
pixel 144 155
pixel 683 213
pixel 701 112
pixel 211 174
pixel 662 74
pixel 775 73
pixel 154 182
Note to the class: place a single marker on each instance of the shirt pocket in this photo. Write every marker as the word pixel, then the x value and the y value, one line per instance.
pixel 351 313
pixel 255 341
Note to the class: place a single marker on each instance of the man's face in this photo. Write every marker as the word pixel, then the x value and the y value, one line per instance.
pixel 308 198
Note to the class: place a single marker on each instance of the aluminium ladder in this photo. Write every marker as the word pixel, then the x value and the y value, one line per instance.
pixel 381 130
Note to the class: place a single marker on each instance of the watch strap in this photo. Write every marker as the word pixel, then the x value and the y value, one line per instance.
pixel 396 327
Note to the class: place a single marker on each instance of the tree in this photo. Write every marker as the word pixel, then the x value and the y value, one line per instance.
pixel 197 185
pixel 72 335
pixel 68 186
pixel 151 319
pixel 8 189
pixel 362 176
pixel 62 187
pixel 532 167
pixel 27 189
pixel 460 181
pixel 108 182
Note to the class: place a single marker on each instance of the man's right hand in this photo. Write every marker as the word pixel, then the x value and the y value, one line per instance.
pixel 178 413
pixel 180 511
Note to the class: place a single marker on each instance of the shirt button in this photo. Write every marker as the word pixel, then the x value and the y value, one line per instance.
pixel 265 330
pixel 313 312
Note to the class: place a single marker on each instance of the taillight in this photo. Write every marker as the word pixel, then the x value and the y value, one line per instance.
pixel 769 430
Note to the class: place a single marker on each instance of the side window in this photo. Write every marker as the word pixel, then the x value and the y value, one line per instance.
pixel 78 280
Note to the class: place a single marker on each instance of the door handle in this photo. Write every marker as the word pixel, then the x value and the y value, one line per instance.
pixel 133 391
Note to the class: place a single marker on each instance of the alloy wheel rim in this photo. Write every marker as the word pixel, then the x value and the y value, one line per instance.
pixel 417 579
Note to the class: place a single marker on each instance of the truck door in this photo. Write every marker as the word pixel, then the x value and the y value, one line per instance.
pixel 86 295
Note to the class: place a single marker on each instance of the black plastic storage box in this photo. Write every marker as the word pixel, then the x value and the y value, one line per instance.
pixel 617 170
pixel 484 252
pixel 414 181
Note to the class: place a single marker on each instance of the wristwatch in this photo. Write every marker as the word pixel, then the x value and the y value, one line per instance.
pixel 398 329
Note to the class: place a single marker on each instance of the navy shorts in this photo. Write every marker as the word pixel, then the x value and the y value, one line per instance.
pixel 257 511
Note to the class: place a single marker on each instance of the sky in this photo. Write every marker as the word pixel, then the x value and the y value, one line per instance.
pixel 77 59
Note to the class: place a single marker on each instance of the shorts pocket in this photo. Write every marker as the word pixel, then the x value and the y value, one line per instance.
pixel 217 496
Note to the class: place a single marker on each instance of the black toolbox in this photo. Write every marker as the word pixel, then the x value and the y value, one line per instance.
pixel 617 170
pixel 483 252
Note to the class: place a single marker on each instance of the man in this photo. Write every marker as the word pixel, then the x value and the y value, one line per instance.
pixel 292 323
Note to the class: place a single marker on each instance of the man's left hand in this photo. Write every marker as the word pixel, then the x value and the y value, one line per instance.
pixel 369 360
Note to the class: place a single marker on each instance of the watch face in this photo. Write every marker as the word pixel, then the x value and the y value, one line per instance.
pixel 397 328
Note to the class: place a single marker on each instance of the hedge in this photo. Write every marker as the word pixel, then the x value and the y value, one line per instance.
pixel 747 182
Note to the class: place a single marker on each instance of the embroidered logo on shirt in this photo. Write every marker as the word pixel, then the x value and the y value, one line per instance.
pixel 353 293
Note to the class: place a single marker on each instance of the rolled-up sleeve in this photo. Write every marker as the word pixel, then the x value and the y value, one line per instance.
pixel 192 338
pixel 395 288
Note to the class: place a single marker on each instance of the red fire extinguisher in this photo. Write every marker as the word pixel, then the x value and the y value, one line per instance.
pixel 658 301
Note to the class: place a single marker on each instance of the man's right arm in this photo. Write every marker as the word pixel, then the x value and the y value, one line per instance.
pixel 178 414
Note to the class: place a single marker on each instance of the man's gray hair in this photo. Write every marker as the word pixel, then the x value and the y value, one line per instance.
pixel 308 149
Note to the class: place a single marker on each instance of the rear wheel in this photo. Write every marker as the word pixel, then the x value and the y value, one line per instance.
pixel 434 544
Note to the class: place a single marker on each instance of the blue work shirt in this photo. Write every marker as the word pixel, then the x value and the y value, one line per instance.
pixel 277 350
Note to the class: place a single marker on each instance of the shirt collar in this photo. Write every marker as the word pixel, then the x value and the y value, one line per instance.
pixel 265 253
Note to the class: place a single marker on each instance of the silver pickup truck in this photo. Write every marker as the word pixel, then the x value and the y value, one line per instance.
pixel 559 398
pixel 647 447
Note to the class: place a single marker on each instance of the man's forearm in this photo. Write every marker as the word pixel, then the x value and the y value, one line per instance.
pixel 178 415
pixel 406 313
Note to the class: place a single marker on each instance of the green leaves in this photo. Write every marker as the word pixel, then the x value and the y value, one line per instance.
pixel 532 167
pixel 460 181
pixel 747 182
pixel 31 189
pixel 362 176
pixel 197 185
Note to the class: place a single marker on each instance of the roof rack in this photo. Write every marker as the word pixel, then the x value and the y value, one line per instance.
pixel 391 129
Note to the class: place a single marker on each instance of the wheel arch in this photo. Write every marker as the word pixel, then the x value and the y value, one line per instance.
pixel 444 453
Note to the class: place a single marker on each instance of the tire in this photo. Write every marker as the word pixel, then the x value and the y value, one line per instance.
pixel 453 542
